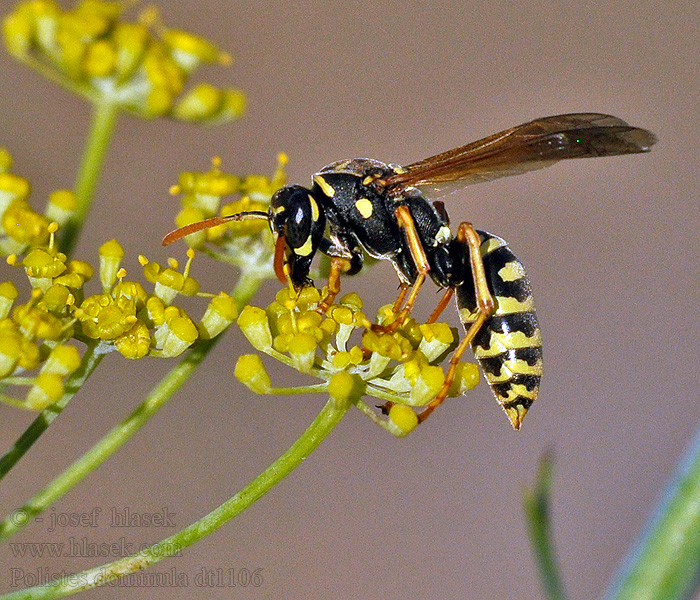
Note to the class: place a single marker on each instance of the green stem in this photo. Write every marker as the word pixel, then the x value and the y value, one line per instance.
pixel 104 120
pixel 88 364
pixel 323 424
pixel 118 436
pixel 665 563
pixel 536 502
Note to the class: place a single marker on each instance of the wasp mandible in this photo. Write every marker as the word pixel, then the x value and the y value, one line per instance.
pixel 363 205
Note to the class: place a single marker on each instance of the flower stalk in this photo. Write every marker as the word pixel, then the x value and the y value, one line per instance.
pixel 104 121
pixel 119 435
pixel 331 414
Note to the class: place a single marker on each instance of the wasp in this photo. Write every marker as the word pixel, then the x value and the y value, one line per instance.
pixel 392 212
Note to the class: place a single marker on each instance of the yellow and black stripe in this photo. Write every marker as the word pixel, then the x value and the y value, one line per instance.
pixel 509 344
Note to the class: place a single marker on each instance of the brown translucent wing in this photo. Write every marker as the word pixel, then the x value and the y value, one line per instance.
pixel 527 147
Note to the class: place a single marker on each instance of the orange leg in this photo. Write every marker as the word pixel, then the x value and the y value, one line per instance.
pixel 485 307
pixel 338 265
pixel 405 221
pixel 403 289
pixel 449 292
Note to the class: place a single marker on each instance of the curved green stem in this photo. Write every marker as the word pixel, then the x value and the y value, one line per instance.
pixel 88 364
pixel 119 435
pixel 536 502
pixel 104 120
pixel 665 563
pixel 323 424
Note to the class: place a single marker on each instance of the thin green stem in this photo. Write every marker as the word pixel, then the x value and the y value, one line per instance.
pixel 119 435
pixel 13 402
pixel 104 121
pixel 88 364
pixel 665 562
pixel 323 424
pixel 302 389
pixel 536 502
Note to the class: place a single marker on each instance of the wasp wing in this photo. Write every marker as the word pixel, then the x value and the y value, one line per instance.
pixel 527 147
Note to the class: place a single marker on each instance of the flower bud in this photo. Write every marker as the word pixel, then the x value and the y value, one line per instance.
pixel 199 104
pixel 189 50
pixel 182 333
pixel 61 206
pixel 47 390
pixel 63 361
pixel 436 340
pixel 10 352
pixel 111 255
pixel 220 313
pixel 8 294
pixel 302 350
pixel 255 326
pixel 100 59
pixel 427 385
pixel 466 378
pixel 403 417
pixel 343 388
pixel 251 372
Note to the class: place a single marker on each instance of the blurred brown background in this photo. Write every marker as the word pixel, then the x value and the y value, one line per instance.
pixel 611 247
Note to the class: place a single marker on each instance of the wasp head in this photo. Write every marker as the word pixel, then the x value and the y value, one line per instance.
pixel 298 223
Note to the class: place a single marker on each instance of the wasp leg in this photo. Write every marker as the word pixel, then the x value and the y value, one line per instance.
pixel 403 290
pixel 338 265
pixel 449 292
pixel 405 221
pixel 485 308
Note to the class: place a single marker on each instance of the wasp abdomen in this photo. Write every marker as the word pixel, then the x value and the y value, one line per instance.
pixel 509 345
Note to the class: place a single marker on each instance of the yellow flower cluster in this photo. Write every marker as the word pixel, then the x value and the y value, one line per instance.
pixel 142 67
pixel 248 243
pixel 402 367
pixel 20 225
pixel 123 317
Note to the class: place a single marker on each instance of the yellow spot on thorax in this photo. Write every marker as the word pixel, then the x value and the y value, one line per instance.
pixel 364 207
pixel 326 188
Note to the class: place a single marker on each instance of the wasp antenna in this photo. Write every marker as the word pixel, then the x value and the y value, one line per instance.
pixel 181 232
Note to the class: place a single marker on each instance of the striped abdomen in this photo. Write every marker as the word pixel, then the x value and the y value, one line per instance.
pixel 508 345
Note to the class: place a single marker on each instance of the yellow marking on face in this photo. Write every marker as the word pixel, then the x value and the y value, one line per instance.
pixel 314 208
pixel 279 209
pixel 443 235
pixel 326 188
pixel 508 305
pixel 364 207
pixel 305 249
pixel 512 271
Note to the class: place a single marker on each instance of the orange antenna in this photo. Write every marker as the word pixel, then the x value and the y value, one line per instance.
pixel 177 234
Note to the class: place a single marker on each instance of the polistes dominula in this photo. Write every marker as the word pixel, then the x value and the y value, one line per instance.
pixel 383 209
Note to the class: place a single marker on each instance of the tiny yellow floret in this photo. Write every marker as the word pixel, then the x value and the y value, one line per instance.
pixel 251 372
pixel 404 417
pixel 47 390
pixel 343 388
